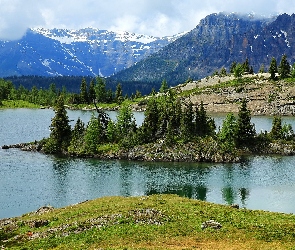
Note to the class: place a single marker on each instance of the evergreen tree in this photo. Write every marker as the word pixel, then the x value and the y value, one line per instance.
pixel 203 124
pixel 228 130
pixel 273 69
pixel 101 92
pixel 246 66
pixel 239 70
pixel 77 141
pixel 60 135
pixel 164 86
pixel 112 133
pixel 91 92
pixel 276 130
pixel 232 67
pixel 187 123
pixel 245 129
pixel 125 121
pixel 151 119
pixel 284 68
pixel 223 72
pixel 93 135
pixel 119 94
pixel 83 92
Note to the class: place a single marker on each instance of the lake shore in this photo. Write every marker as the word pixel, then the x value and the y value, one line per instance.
pixel 204 151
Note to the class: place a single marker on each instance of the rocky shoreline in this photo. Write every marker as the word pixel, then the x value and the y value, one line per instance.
pixel 205 151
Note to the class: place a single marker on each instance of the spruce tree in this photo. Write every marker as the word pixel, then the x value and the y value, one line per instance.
pixel 151 119
pixel 187 125
pixel 228 132
pixel 276 130
pixel 91 93
pixel 273 69
pixel 119 94
pixel 60 135
pixel 164 86
pixel 284 68
pixel 77 141
pixel 245 129
pixel 83 92
pixel 101 91
pixel 93 135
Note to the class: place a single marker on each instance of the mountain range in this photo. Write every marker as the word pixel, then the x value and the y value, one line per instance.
pixel 142 62
pixel 84 52
pixel 218 41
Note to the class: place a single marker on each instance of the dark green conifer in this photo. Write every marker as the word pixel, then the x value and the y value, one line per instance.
pixel 273 69
pixel 245 129
pixel 60 135
pixel 284 68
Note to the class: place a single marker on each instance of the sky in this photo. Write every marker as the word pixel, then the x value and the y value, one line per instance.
pixel 150 17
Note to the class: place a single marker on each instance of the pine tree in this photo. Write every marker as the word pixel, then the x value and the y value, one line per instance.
pixel 276 130
pixel 151 119
pixel 60 135
pixel 119 94
pixel 273 69
pixel 187 124
pixel 239 70
pixel 77 141
pixel 164 86
pixel 203 124
pixel 93 135
pixel 125 121
pixel 284 68
pixel 232 67
pixel 101 91
pixel 91 93
pixel 245 129
pixel 228 130
pixel 246 66
pixel 83 92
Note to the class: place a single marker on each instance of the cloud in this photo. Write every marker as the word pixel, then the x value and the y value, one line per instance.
pixel 151 17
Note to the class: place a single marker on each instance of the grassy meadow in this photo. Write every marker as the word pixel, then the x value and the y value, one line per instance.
pixel 148 222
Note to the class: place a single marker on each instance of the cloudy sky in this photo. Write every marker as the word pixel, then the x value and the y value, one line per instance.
pixel 151 17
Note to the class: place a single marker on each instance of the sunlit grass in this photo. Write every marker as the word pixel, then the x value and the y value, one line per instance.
pixel 153 222
pixel 17 104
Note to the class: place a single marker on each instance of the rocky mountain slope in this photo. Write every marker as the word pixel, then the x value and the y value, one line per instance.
pixel 224 94
pixel 216 42
pixel 85 52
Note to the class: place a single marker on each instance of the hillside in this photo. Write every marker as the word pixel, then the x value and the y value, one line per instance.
pixel 216 42
pixel 224 94
pixel 148 222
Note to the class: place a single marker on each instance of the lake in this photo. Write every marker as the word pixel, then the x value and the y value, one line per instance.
pixel 30 180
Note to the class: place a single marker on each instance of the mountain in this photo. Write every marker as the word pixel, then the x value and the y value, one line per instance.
pixel 84 52
pixel 216 42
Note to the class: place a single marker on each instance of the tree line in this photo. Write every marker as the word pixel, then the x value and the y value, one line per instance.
pixel 95 91
pixel 168 121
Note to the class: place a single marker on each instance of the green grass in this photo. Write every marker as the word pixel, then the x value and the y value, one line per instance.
pixel 17 104
pixel 152 222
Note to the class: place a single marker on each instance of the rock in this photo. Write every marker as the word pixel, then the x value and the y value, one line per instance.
pixel 235 206
pixel 212 224
pixel 44 209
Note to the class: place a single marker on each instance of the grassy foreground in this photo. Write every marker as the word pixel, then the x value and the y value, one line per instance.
pixel 152 222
